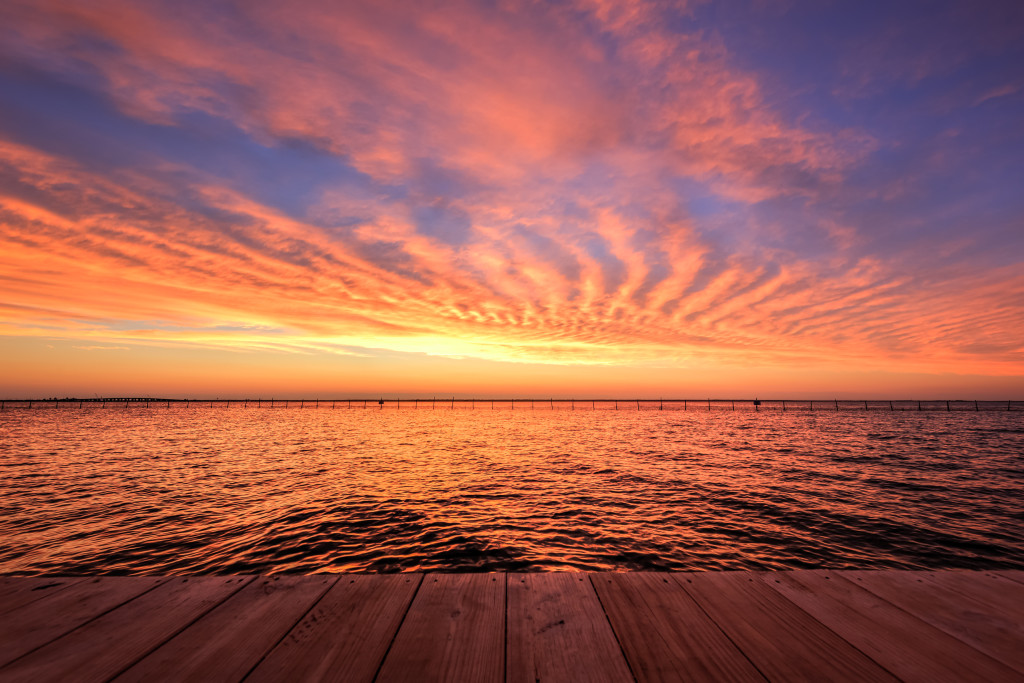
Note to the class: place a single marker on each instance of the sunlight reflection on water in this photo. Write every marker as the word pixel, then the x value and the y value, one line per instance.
pixel 235 489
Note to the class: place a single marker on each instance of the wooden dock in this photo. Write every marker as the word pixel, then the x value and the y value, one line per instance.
pixel 752 626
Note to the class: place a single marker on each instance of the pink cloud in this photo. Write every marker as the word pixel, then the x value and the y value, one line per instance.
pixel 527 102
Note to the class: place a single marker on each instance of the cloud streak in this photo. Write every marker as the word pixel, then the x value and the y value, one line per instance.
pixel 596 184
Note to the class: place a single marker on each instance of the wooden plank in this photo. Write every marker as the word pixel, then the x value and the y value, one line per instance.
pixel 345 636
pixel 557 631
pixel 107 645
pixel 454 631
pixel 1012 574
pixel 226 643
pixel 17 591
pixel 666 636
pixel 996 594
pixel 974 620
pixel 780 639
pixel 906 646
pixel 41 622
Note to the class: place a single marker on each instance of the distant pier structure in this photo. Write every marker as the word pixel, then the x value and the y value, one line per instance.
pixel 546 403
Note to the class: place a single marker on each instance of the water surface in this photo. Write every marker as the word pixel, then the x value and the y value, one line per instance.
pixel 239 489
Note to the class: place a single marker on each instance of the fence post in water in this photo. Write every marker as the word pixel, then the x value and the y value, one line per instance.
pixel 317 404
pixel 684 404
pixel 302 403
pixel 30 404
pixel 453 403
pixel 975 405
pixel 592 407
pixel 709 405
pixel 638 405
pixel 492 404
pixel 890 407
pixel 837 404
pixel 734 406
pixel 783 406
pixel 661 404
pixel 865 405
pixel 1007 406
pixel 168 404
pixel 947 406
pixel 552 402
pixel 616 405
pixel 433 403
pixel 574 404
pixel 918 406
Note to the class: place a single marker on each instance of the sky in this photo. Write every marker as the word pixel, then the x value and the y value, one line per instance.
pixel 586 198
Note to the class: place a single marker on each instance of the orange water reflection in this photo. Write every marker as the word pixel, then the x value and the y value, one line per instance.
pixel 286 490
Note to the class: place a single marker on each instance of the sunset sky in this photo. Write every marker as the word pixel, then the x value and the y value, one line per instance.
pixel 586 197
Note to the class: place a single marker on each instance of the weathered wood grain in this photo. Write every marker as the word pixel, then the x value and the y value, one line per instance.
pixel 454 631
pixel 109 644
pixel 988 590
pixel 666 636
pixel 345 636
pixel 39 623
pixel 230 639
pixel 906 646
pixel 974 616
pixel 805 625
pixel 1012 574
pixel 557 631
pixel 17 591
pixel 781 640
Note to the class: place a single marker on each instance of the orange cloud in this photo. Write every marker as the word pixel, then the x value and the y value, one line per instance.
pixel 526 170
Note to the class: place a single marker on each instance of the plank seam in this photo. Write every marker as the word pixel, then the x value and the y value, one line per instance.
pixel 827 627
pixel 504 625
pixel 394 635
pixel 88 621
pixel 174 635
pixel 1004 574
pixel 604 611
pixel 266 653
pixel 938 627
pixel 924 625
pixel 676 578
pixel 71 581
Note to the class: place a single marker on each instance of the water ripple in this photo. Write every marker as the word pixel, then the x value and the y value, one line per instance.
pixel 228 490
